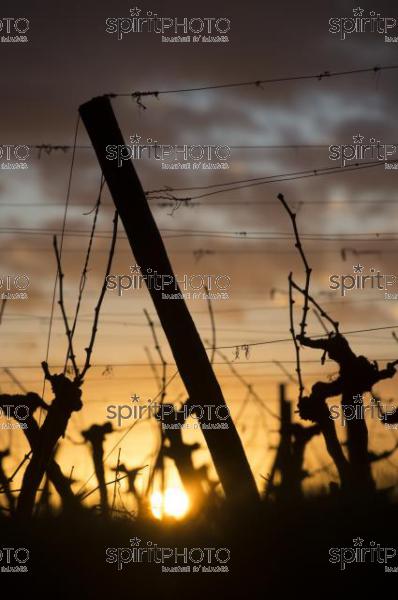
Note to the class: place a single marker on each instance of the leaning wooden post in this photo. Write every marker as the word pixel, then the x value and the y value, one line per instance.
pixel 189 353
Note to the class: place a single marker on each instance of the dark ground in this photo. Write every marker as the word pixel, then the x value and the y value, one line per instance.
pixel 273 550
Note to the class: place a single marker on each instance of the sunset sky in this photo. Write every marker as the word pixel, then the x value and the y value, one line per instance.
pixel 68 59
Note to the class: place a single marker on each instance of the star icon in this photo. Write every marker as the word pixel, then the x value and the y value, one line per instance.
pixel 357 11
pixel 135 139
pixel 358 541
pixel 135 269
pixel 135 541
pixel 358 138
pixel 358 268
pixel 135 398
pixel 357 399
pixel 135 12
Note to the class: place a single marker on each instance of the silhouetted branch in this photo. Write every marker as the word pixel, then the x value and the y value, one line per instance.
pixel 160 353
pixel 90 347
pixel 325 329
pixel 294 338
pixel 83 276
pixel 319 318
pixel 299 247
pixel 19 467
pixel 159 463
pixel 153 367
pixel 71 353
pixel 117 474
pixel 315 303
pixel 98 487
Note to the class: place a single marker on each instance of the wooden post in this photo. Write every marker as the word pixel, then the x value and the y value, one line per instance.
pixel 181 454
pixel 285 447
pixel 282 460
pixel 289 459
pixel 189 353
pixel 96 436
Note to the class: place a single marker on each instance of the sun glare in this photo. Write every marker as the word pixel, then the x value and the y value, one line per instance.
pixel 176 503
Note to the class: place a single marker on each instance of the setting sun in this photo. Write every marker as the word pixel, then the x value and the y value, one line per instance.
pixel 176 503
